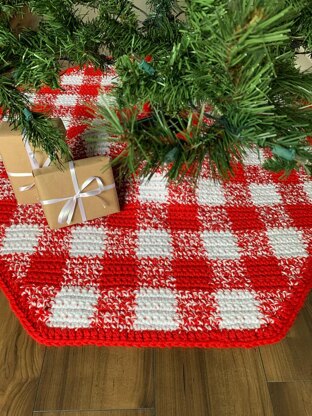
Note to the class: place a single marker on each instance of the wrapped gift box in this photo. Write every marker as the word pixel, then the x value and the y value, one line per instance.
pixel 81 191
pixel 19 160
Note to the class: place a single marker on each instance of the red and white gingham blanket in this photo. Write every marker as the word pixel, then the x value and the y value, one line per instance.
pixel 223 265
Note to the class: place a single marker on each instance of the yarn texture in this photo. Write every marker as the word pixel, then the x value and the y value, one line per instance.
pixel 220 265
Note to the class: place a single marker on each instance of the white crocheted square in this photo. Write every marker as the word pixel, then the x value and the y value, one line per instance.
pixel 73 307
pixel 31 97
pixel 264 194
pixel 87 241
pixel 238 309
pixel 67 121
pixel 307 186
pixel 20 238
pixel 220 245
pixel 95 148
pixel 210 192
pixel 287 242
pixel 72 79
pixel 108 80
pixel 156 309
pixel 68 100
pixel 154 190
pixel 252 158
pixel 154 243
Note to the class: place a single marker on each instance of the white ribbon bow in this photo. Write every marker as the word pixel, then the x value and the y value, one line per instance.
pixel 34 164
pixel 68 209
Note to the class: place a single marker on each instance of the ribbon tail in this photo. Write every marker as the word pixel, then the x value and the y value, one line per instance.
pixel 67 211
pixel 31 155
pixel 47 163
pixel 27 187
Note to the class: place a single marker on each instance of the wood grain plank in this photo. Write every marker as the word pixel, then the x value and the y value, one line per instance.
pixel 21 360
pixel 291 358
pixel 87 378
pixel 137 412
pixel 291 399
pixel 181 383
pixel 211 383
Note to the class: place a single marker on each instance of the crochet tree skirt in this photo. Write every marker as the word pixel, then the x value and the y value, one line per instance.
pixel 222 265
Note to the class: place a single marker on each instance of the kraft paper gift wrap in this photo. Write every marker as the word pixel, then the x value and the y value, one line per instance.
pixel 17 161
pixel 56 189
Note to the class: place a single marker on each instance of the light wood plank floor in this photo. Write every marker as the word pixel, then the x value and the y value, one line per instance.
pixel 274 380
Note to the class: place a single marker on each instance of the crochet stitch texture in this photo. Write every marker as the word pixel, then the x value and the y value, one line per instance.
pixel 222 265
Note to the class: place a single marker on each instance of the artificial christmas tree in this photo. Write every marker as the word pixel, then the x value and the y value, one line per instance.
pixel 231 62
pixel 219 82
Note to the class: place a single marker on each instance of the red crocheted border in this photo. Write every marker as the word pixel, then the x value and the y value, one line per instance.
pixel 119 339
